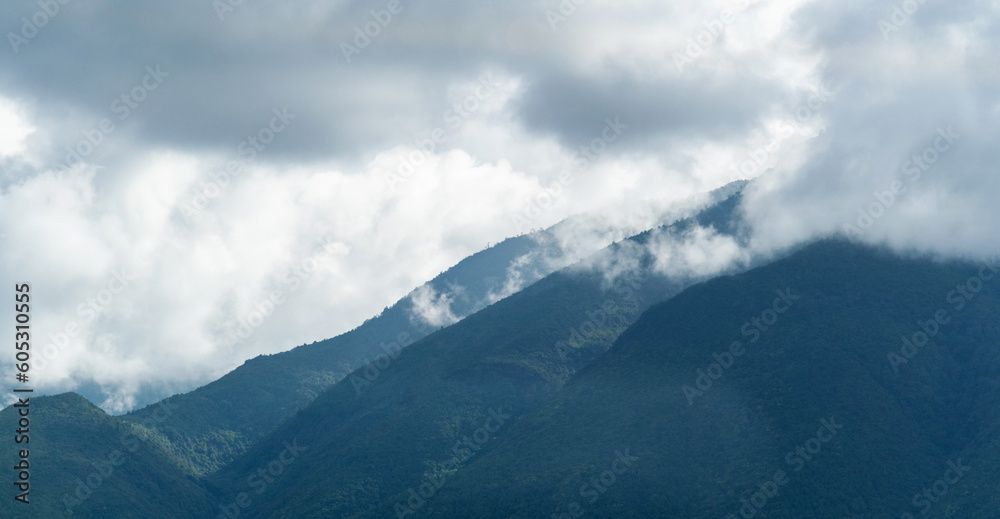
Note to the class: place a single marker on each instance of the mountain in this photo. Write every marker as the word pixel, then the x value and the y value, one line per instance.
pixel 217 422
pixel 841 381
pixel 182 438
pixel 83 463
pixel 214 424
pixel 799 389
pixel 394 424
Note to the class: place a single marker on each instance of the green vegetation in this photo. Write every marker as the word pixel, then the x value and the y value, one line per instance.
pixel 216 423
pixel 85 463
pixel 371 445
pixel 786 391
pixel 505 358
pixel 825 358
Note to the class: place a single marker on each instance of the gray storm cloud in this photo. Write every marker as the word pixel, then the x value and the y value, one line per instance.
pixel 144 137
pixel 905 156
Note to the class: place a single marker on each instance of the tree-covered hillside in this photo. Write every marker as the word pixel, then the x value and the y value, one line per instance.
pixel 784 392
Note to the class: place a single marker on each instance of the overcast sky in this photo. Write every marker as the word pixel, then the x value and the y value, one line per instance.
pixel 164 166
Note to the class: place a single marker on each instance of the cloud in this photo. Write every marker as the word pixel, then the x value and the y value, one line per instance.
pixel 698 252
pixel 917 110
pixel 431 307
pixel 14 128
pixel 457 125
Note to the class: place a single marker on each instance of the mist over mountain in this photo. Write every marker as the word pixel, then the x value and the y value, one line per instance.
pixel 216 423
pixel 596 389
pixel 551 258
pixel 784 391
pixel 205 429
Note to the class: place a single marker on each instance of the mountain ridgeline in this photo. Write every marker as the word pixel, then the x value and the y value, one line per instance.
pixel 838 381
pixel 406 415
pixel 214 424
pixel 191 435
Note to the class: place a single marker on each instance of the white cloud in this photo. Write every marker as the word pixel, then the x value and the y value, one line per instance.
pixel 14 128
pixel 324 181
pixel 431 307
pixel 698 252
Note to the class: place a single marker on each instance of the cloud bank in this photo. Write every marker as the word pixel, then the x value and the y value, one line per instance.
pixel 259 187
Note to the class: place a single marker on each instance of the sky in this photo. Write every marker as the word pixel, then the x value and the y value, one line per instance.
pixel 166 167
